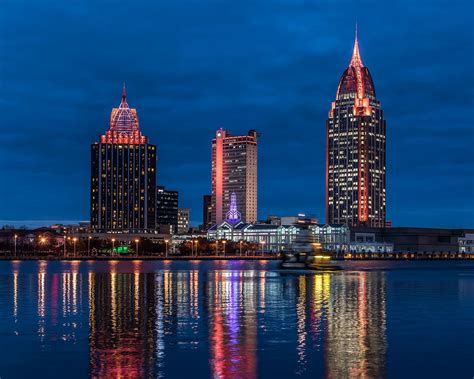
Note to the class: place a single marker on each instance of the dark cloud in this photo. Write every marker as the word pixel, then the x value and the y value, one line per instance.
pixel 194 66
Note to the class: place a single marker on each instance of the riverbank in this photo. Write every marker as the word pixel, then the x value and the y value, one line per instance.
pixel 226 258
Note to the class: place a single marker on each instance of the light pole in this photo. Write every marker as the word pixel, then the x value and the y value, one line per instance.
pixel 197 241
pixel 113 246
pixel 240 243
pixel 224 242
pixel 64 246
pixel 16 236
pixel 217 243
pixel 74 240
pixel 89 246
pixel 166 248
pixel 263 244
pixel 136 247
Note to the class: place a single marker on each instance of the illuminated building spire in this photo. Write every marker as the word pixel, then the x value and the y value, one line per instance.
pixel 124 92
pixel 356 60
pixel 233 216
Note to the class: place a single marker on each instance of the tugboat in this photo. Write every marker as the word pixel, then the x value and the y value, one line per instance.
pixel 306 254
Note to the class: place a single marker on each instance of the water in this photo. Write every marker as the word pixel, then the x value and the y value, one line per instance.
pixel 235 320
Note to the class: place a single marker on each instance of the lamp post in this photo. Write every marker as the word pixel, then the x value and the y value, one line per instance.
pixel 16 237
pixel 64 246
pixel 263 244
pixel 166 248
pixel 240 246
pixel 74 240
pixel 113 246
pixel 89 246
pixel 136 247
pixel 197 246
pixel 224 242
pixel 217 243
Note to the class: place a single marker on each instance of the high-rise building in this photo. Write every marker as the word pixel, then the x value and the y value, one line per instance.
pixel 206 212
pixel 123 176
pixel 234 170
pixel 183 220
pixel 355 150
pixel 166 210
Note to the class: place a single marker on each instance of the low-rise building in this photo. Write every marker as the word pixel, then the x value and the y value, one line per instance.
pixel 183 220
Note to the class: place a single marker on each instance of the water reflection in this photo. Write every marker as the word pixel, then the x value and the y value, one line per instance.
pixel 232 301
pixel 122 317
pixel 237 322
pixel 356 344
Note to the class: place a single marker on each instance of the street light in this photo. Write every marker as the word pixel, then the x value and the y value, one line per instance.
pixel 16 236
pixel 197 241
pixel 136 247
pixel 217 244
pixel 64 245
pixel 224 242
pixel 74 240
pixel 263 244
pixel 240 243
pixel 89 245
pixel 113 246
pixel 166 248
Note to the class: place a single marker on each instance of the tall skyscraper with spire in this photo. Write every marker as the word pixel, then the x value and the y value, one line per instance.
pixel 234 171
pixel 355 150
pixel 123 175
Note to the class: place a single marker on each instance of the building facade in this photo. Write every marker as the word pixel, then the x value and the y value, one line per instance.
pixel 355 151
pixel 206 212
pixel 183 220
pixel 123 176
pixel 277 238
pixel 234 170
pixel 166 210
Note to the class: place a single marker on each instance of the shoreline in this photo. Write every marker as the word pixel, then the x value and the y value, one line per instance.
pixel 217 258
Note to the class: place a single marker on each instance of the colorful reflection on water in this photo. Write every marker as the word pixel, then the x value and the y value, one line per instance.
pixel 233 320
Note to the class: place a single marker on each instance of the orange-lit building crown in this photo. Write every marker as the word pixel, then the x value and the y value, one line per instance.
pixel 356 79
pixel 124 126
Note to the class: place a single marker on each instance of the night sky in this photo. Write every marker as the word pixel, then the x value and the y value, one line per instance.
pixel 193 66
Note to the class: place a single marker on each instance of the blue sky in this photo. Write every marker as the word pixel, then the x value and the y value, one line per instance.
pixel 194 66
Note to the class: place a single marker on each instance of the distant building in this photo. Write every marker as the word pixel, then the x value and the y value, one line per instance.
pixel 183 220
pixel 466 244
pixel 234 170
pixel 123 176
pixel 166 210
pixel 206 212
pixel 355 151
pixel 415 240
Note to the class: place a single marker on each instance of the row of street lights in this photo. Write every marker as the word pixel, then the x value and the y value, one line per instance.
pixel 194 250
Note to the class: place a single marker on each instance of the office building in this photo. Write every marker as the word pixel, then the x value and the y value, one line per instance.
pixel 206 212
pixel 166 210
pixel 234 170
pixel 355 150
pixel 183 220
pixel 123 176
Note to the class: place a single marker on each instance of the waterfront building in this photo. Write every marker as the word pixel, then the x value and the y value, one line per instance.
pixel 166 210
pixel 276 238
pixel 206 212
pixel 355 150
pixel 123 176
pixel 234 170
pixel 183 220
pixel 466 244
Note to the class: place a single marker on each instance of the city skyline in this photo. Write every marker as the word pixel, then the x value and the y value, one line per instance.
pixel 181 109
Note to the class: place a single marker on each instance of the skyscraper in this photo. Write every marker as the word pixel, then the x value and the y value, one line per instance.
pixel 355 150
pixel 123 176
pixel 166 210
pixel 234 169
pixel 206 212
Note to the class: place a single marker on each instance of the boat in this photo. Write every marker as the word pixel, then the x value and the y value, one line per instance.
pixel 306 253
